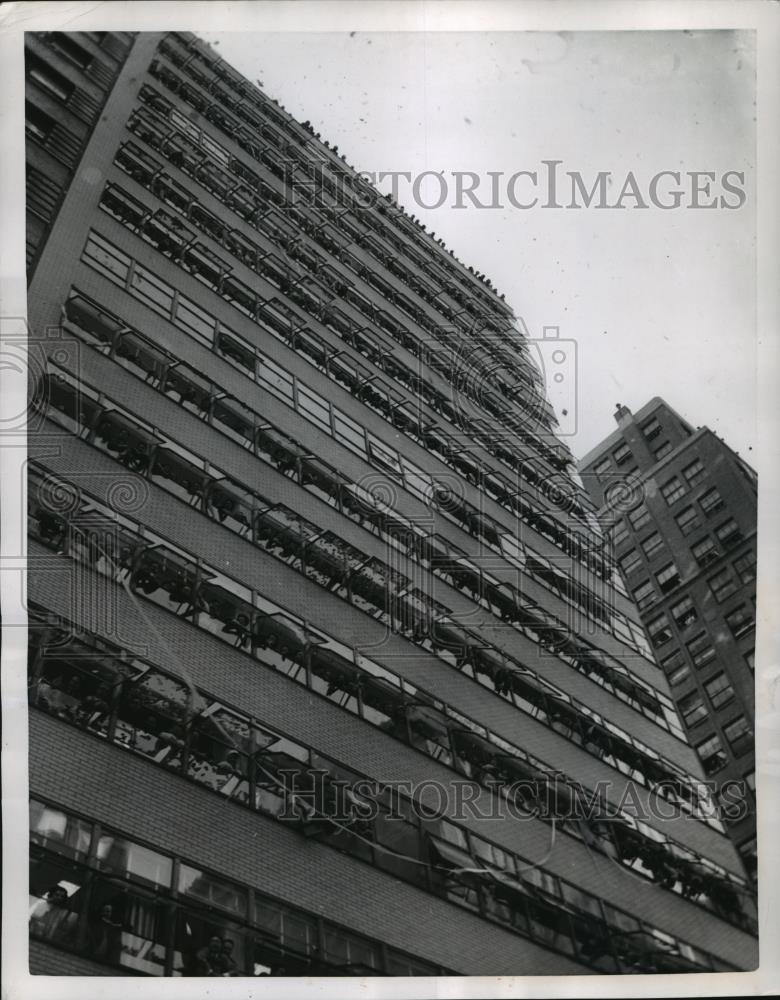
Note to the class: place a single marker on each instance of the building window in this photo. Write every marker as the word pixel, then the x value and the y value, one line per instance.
pixel 750 781
pixel 748 851
pixel 619 532
pixel 604 468
pixel 621 454
pixel 719 691
pixel 651 429
pixel 659 631
pixel 684 612
pixel 688 520
pixel 745 566
pixel 711 501
pixel 740 621
pixel 652 544
pixel 712 755
pixel 668 578
pixel 662 451
pixel 739 735
pixel 672 491
pixel 692 709
pixel 104 257
pixel 48 79
pixel 349 432
pixel 631 562
pixel 722 585
pixel 729 533
pixel 675 667
pixel 701 650
pixel 639 517
pixel 69 49
pixel 645 595
pixel 750 659
pixel 705 551
pixel 694 473
pixel 37 123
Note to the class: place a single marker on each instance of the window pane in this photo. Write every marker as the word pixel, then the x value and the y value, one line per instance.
pixel 127 858
pixel 107 259
pixel 212 889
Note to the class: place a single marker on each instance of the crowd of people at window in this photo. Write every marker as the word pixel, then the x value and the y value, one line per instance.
pixel 508 349
pixel 375 694
pixel 158 716
pixel 140 282
pixel 143 912
pixel 367 583
pixel 191 51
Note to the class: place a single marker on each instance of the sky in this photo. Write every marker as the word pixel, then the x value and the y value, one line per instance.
pixel 657 302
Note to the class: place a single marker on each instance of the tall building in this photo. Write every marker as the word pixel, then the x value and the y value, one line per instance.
pixel 327 657
pixel 683 507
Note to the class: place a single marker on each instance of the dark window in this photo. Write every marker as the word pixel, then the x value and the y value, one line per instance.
pixel 651 428
pixel 672 491
pixel 711 501
pixel 722 585
pixel 705 551
pixel 604 468
pixel 72 51
pixel 712 755
pixel 688 520
pixel 692 708
pixel 645 595
pixel 631 562
pixel 701 649
pixel 684 612
pixel 619 532
pixel 750 659
pixel 48 79
pixel 663 450
pixel 668 578
pixel 719 691
pixel 740 621
pixel 639 517
pixel 38 124
pixel 659 630
pixel 745 566
pixel 729 533
pixel 621 454
pixel 694 473
pixel 739 735
pixel 652 544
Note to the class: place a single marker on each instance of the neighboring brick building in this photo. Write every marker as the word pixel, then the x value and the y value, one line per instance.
pixel 685 541
pixel 281 548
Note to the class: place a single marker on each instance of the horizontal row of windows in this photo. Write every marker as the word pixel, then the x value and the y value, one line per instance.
pixel 210 403
pixel 476 335
pixel 387 594
pixel 165 299
pixel 688 519
pixel 74 51
pixel 186 591
pixel 193 151
pixel 204 104
pixel 151 363
pixel 433 263
pixel 157 715
pixel 737 732
pixel 404 711
pixel 60 88
pixel 315 294
pixel 146 912
pixel 740 621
